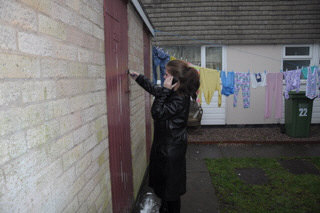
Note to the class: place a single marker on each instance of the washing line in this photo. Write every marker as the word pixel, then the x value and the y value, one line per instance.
pixel 213 44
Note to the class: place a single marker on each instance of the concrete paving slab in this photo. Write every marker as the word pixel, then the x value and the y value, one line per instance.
pixel 255 150
pixel 292 150
pixel 266 150
pixel 196 165
pixel 299 166
pixel 237 150
pixel 274 150
pixel 200 196
pixel 204 151
pixel 313 150
pixel 255 176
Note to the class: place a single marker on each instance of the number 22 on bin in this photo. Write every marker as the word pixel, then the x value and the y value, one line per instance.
pixel 303 112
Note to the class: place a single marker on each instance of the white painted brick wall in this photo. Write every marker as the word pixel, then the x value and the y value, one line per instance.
pixel 137 100
pixel 19 16
pixel 54 154
pixel 45 46
pixel 7 38
pixel 17 66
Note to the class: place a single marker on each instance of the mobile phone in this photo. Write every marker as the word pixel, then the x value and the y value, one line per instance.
pixel 174 80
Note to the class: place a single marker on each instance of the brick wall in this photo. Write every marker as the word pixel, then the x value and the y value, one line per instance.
pixel 137 100
pixel 53 116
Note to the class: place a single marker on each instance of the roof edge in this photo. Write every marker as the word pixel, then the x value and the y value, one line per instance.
pixel 143 16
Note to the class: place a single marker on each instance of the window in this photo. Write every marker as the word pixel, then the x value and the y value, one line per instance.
pixel 213 57
pixel 297 51
pixel 296 56
pixel 191 54
pixel 206 56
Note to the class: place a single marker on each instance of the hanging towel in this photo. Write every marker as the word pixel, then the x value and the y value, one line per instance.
pixel 209 83
pixel 292 81
pixel 258 79
pixel 227 83
pixel 304 72
pixel 318 80
pixel 311 88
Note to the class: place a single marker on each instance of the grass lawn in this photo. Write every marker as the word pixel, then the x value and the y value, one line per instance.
pixel 284 192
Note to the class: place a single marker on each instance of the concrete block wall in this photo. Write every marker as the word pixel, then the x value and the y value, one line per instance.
pixel 54 153
pixel 137 99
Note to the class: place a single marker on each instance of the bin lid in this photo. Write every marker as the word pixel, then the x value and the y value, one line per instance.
pixel 296 95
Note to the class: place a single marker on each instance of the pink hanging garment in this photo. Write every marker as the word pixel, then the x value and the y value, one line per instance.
pixel 274 90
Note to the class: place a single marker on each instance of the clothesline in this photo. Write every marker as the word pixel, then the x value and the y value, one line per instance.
pixel 227 83
pixel 219 44
pixel 233 82
pixel 166 57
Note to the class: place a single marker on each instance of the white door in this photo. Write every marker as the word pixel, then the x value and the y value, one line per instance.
pixel 214 57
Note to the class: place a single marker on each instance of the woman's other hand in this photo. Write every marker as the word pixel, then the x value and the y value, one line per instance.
pixel 133 75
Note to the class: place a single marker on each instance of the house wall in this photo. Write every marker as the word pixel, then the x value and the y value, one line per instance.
pixel 53 116
pixel 255 58
pixel 258 58
pixel 137 100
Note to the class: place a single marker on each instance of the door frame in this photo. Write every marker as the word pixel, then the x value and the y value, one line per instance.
pixel 116 59
pixel 147 73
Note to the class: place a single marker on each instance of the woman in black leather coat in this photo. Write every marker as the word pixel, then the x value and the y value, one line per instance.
pixel 170 109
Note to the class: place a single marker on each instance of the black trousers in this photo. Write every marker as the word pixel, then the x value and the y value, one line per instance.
pixel 170 206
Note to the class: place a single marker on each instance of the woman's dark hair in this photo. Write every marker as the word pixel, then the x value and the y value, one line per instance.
pixel 188 77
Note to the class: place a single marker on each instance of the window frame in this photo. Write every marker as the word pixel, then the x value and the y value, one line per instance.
pixel 203 55
pixel 297 57
pixel 284 56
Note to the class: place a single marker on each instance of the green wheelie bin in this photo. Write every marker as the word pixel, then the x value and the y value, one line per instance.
pixel 298 114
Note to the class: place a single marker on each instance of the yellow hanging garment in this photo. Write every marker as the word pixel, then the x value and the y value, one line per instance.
pixel 209 83
pixel 196 67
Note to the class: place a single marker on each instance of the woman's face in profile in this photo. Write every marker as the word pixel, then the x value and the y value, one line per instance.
pixel 167 74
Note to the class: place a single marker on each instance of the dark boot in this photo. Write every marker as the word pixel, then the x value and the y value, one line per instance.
pixel 174 206
pixel 163 207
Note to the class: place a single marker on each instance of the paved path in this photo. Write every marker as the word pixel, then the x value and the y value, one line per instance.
pixel 200 196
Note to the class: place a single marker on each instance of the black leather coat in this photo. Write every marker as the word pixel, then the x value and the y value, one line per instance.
pixel 167 169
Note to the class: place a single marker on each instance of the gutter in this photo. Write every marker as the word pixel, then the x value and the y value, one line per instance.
pixel 143 16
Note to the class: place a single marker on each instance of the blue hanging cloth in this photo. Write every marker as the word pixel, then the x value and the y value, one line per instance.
pixel 159 58
pixel 227 83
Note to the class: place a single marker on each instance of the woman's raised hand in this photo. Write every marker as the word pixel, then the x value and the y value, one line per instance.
pixel 133 75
